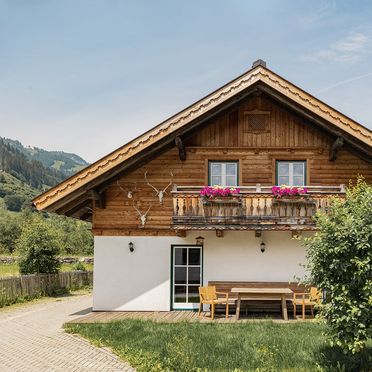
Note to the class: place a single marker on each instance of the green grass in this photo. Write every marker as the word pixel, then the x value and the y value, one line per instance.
pixel 252 346
pixel 13 269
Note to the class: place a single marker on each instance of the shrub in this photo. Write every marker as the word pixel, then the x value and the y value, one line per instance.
pixel 79 266
pixel 339 260
pixel 38 247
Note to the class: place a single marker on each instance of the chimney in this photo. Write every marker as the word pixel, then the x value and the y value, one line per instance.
pixel 259 62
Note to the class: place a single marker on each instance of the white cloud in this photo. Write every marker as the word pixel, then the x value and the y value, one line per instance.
pixel 350 49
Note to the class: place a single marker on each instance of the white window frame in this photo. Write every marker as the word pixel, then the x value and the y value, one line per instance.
pixel 290 170
pixel 223 174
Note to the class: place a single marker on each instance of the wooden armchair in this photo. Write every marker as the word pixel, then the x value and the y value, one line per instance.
pixel 310 299
pixel 208 296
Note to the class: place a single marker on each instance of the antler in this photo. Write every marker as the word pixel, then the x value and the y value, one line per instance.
pixel 138 211
pixel 148 210
pixel 170 183
pixel 146 180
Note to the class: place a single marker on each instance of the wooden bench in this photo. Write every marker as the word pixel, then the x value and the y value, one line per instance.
pixel 259 303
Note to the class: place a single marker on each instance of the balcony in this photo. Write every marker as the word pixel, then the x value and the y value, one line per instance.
pixel 255 208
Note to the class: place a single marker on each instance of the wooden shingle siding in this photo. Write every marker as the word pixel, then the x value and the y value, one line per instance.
pixel 224 139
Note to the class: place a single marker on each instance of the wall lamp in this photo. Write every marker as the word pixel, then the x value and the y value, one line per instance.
pixel 263 247
pixel 131 246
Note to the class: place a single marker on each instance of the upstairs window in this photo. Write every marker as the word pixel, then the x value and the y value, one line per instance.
pixel 223 173
pixel 291 173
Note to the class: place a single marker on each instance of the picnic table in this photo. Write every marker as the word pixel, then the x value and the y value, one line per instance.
pixel 252 294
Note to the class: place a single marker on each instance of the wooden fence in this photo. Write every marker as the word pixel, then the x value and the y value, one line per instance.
pixel 25 287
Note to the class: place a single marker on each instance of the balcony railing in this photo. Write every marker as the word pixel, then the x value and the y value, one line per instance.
pixel 255 208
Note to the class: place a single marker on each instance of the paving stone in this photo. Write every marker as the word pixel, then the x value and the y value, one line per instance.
pixel 32 340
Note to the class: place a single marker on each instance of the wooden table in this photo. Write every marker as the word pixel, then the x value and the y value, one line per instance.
pixel 262 294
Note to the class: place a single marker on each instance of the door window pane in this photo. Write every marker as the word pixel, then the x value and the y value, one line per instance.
pixel 223 173
pixel 194 256
pixel 193 294
pixel 180 293
pixel 180 256
pixel 194 275
pixel 180 275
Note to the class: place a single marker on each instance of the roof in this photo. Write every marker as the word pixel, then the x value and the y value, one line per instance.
pixel 81 182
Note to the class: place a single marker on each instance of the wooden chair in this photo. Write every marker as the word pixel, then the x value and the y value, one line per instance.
pixel 208 296
pixel 310 299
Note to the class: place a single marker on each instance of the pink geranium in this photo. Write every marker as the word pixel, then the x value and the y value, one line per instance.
pixel 284 190
pixel 218 191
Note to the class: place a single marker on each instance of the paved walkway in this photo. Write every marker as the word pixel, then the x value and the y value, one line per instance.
pixel 31 339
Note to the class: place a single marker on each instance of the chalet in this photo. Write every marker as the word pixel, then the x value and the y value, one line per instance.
pixel 157 239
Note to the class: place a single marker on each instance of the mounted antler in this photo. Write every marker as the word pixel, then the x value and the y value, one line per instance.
pixel 129 192
pixel 159 193
pixel 142 216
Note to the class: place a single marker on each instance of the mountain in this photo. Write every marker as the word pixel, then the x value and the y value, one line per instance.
pixel 62 161
pixel 26 171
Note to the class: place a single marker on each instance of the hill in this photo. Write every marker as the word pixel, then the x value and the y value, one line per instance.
pixel 62 161
pixel 26 171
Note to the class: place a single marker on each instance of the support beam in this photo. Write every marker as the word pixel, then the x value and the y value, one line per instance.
pixel 181 233
pixel 98 199
pixel 181 148
pixel 219 233
pixel 336 145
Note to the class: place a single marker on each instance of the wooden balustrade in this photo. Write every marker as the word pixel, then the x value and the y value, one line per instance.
pixel 250 209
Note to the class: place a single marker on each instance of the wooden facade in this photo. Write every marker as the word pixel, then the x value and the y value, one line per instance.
pixel 275 134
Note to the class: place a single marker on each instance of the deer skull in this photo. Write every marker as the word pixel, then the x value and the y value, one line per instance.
pixel 159 193
pixel 142 216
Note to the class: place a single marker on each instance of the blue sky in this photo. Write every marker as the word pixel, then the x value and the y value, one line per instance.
pixel 88 76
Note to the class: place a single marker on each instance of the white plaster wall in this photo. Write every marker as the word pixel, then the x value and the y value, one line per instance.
pixel 140 281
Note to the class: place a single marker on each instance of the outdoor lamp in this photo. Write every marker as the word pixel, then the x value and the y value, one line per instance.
pixel 200 240
pixel 131 246
pixel 263 247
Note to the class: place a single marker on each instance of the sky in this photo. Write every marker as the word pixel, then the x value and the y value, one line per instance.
pixel 87 76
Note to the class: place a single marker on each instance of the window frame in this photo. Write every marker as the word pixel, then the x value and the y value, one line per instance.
pixel 277 161
pixel 210 162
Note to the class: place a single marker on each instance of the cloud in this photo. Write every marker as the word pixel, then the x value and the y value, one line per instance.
pixel 344 82
pixel 350 49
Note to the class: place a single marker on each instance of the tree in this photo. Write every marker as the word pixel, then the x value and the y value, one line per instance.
pixel 39 246
pixel 10 231
pixel 339 261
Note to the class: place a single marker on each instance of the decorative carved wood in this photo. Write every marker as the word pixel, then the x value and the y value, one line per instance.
pixel 98 199
pixel 336 145
pixel 181 148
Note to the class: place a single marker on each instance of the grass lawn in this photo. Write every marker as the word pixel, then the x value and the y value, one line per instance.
pixel 252 346
pixel 13 269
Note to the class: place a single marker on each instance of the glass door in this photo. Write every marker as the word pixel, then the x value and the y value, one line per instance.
pixel 187 276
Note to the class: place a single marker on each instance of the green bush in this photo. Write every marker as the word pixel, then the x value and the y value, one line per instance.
pixel 79 266
pixel 339 260
pixel 39 246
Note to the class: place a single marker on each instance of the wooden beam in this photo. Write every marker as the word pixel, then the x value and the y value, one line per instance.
pixel 219 233
pixel 257 233
pixel 181 233
pixel 336 145
pixel 181 148
pixel 98 199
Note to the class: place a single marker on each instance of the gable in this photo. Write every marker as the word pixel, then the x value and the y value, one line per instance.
pixel 80 189
pixel 277 128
